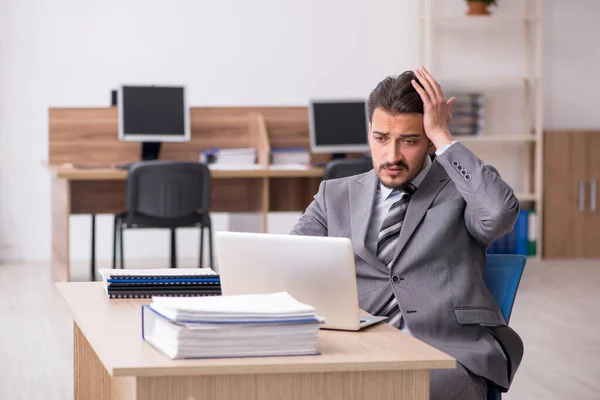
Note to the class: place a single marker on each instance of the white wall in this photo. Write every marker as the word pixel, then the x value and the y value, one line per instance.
pixel 572 54
pixel 265 52
pixel 72 53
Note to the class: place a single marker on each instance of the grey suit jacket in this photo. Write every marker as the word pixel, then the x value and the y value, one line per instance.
pixel 459 209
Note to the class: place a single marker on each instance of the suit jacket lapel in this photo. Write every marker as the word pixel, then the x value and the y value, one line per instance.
pixel 419 203
pixel 362 197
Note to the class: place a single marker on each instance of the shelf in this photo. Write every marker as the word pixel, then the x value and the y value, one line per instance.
pixel 476 19
pixel 481 82
pixel 526 196
pixel 495 138
pixel 516 146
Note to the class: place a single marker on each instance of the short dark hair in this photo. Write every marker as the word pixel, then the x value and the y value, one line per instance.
pixel 396 95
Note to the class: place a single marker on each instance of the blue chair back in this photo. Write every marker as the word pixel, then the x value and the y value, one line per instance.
pixel 502 276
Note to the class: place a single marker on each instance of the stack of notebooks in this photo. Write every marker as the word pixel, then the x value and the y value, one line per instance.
pixel 467 114
pixel 145 283
pixel 256 325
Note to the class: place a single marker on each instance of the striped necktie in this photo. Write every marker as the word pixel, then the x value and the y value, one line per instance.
pixel 390 229
pixel 386 245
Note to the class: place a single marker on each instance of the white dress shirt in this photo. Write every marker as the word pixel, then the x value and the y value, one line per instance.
pixel 384 199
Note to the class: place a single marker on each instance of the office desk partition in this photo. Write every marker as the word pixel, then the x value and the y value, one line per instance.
pixel 111 361
pixel 84 150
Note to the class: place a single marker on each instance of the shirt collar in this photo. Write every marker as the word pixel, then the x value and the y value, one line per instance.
pixel 386 192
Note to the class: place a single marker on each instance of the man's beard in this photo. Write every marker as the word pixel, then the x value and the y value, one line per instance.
pixel 401 164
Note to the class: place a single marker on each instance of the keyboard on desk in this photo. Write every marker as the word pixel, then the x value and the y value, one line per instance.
pixel 125 166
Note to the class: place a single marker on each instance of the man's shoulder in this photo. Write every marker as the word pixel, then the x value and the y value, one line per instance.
pixel 342 184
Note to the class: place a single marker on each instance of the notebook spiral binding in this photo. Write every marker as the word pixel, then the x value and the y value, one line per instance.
pixel 150 295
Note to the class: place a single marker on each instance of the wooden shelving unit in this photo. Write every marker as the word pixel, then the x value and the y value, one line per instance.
pixel 474 20
pixel 433 15
pixel 500 137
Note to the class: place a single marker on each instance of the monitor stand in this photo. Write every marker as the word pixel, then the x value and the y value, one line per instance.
pixel 150 151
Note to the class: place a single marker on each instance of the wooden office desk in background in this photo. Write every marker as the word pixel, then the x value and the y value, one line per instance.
pixel 102 191
pixel 111 361
pixel 88 137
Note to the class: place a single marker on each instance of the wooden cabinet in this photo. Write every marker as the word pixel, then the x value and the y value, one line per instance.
pixel 571 205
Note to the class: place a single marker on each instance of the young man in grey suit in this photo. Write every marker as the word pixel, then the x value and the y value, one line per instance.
pixel 420 230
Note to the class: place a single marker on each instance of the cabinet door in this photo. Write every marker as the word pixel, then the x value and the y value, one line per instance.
pixel 565 189
pixel 592 219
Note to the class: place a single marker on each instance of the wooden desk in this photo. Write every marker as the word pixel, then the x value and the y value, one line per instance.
pixel 111 361
pixel 102 191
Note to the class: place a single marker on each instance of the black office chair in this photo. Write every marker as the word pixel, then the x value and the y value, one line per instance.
pixel 343 167
pixel 166 194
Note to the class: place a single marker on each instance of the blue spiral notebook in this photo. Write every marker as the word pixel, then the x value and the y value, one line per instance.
pixel 145 283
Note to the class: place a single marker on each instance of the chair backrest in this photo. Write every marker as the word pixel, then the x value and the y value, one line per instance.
pixel 343 167
pixel 168 189
pixel 502 276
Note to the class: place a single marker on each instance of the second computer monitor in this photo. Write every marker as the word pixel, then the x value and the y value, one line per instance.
pixel 338 126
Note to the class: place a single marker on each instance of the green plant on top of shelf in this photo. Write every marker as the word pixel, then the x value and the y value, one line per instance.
pixel 480 7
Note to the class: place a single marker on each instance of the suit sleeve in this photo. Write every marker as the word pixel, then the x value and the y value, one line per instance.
pixel 313 221
pixel 492 207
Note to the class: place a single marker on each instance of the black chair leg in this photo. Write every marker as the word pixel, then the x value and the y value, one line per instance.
pixel 93 256
pixel 114 249
pixel 121 255
pixel 201 260
pixel 173 248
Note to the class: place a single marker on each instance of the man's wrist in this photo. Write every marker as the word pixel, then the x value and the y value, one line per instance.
pixel 441 139
pixel 442 149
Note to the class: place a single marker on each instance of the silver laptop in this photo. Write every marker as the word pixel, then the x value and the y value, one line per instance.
pixel 318 271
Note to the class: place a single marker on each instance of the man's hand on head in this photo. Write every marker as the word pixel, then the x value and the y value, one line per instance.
pixel 437 110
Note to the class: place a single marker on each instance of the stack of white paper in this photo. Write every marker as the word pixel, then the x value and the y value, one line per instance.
pixel 231 326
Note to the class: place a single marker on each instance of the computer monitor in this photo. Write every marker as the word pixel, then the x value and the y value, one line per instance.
pixel 338 126
pixel 152 115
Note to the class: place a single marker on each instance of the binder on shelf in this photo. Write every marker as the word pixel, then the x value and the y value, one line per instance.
pixel 517 241
pixel 532 234
pixel 521 231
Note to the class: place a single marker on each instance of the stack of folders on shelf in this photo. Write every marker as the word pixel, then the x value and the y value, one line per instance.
pixel 467 114
pixel 291 155
pixel 256 325
pixel 521 240
pixel 145 283
pixel 226 157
